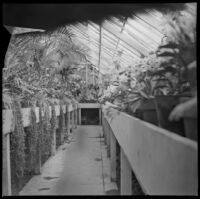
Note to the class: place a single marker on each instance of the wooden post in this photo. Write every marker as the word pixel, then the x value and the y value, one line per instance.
pixel 79 115
pixel 126 175
pixel 75 120
pixel 72 119
pixel 113 164
pixel 6 166
pixel 100 122
pixel 68 122
pixel 53 146
pixel 108 140
pixel 38 165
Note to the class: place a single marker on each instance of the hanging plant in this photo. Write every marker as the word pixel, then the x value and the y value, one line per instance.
pixel 18 143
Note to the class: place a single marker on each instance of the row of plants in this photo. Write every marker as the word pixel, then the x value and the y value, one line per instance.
pixel 153 88
pixel 32 146
pixel 38 72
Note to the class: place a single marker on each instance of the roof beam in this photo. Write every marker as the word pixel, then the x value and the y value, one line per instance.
pixel 122 28
pixel 128 40
pixel 100 46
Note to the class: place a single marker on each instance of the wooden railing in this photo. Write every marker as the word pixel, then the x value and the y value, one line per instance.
pixel 8 128
pixel 164 163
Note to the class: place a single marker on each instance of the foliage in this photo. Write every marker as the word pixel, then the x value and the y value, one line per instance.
pixel 179 49
pixel 61 121
pixel 89 94
pixel 46 137
pixel 53 120
pixel 41 65
pixel 18 143
pixel 33 136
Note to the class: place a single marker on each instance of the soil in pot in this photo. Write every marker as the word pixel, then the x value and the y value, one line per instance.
pixel 148 110
pixel 164 106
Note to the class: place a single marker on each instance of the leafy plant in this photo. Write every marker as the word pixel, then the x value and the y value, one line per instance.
pixel 17 144
pixel 33 136
pixel 179 48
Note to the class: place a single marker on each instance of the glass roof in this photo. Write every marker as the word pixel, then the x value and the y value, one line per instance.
pixel 123 40
pixel 120 40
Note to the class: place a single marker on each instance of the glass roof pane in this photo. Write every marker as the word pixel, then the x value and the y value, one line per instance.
pixel 95 26
pixel 130 41
pixel 155 13
pixel 108 44
pixel 150 28
pixel 117 22
pixel 109 52
pixel 132 31
pixel 144 30
pixel 114 42
pixel 127 47
pixel 79 29
pixel 118 28
pixel 109 35
pixel 135 38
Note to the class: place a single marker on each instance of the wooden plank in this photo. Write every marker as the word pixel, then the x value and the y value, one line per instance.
pixel 125 175
pixel 89 105
pixel 72 119
pixel 6 181
pixel 70 108
pixel 100 117
pixel 79 115
pixel 57 109
pixel 9 120
pixel 113 163
pixel 68 123
pixel 163 162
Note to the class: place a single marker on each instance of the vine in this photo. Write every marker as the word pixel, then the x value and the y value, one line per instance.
pixel 18 144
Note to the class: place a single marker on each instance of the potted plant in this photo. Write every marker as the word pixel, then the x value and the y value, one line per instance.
pixel 176 54
pixel 187 109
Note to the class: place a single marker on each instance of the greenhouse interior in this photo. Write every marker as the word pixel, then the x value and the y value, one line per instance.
pixel 100 99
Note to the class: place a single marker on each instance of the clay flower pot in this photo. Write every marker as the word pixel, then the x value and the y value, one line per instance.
pixel 164 105
pixel 148 110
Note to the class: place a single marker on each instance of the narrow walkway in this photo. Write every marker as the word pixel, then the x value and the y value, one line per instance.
pixel 80 167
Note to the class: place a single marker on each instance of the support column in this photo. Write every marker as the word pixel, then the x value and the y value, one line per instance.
pixel 77 122
pixel 53 146
pixel 72 119
pixel 38 164
pixel 79 116
pixel 68 123
pixel 126 175
pixel 108 140
pixel 6 166
pixel 100 115
pixel 113 163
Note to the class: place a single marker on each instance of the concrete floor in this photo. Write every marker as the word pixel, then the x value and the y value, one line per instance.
pixel 80 167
